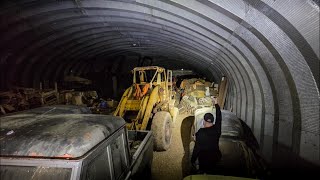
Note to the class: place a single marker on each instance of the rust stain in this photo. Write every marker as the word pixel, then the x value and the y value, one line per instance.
pixel 87 136
pixel 66 156
pixel 33 154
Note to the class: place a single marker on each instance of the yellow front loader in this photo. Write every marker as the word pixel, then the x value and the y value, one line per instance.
pixel 148 104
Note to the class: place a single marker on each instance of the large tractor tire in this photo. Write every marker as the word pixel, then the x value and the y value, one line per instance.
pixel 161 129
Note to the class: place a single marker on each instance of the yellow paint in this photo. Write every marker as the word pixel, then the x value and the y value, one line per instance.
pixel 143 102
pixel 154 98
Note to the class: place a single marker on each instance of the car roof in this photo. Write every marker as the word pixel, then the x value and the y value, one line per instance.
pixel 56 109
pixel 213 177
pixel 54 135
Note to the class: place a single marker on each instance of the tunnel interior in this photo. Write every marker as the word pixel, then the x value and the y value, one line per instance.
pixel 268 50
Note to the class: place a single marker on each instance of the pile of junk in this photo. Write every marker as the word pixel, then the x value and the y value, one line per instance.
pixel 90 99
pixel 22 98
pixel 196 93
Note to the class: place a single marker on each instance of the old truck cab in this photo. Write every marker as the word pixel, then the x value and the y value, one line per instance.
pixel 72 146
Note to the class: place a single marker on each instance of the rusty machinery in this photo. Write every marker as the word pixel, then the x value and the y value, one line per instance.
pixel 149 104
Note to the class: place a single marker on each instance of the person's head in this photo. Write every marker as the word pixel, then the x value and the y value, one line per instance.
pixel 208 120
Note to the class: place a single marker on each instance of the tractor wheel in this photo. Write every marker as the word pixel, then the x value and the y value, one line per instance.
pixel 161 129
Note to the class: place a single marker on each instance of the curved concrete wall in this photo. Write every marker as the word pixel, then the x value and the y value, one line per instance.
pixel 268 49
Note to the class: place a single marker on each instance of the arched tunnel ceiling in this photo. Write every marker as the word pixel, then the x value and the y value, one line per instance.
pixel 269 50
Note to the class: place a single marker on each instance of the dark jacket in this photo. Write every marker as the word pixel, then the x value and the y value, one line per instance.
pixel 207 144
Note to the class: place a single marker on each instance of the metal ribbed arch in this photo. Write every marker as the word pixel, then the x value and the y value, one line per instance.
pixel 250 27
pixel 176 63
pixel 289 98
pixel 242 106
pixel 275 95
pixel 59 41
pixel 281 81
pixel 75 60
pixel 168 50
pixel 65 39
pixel 245 87
pixel 106 41
pixel 294 93
pixel 169 41
pixel 170 63
pixel 296 111
pixel 233 76
pixel 265 80
pixel 72 62
pixel 303 46
pixel 239 54
pixel 235 18
pixel 161 61
pixel 256 86
pixel 84 67
pixel 172 46
pixel 257 89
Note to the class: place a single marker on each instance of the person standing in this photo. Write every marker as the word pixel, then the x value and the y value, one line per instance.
pixel 206 148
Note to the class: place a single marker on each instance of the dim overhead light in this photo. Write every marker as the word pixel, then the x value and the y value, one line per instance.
pixel 134 44
pixel 181 69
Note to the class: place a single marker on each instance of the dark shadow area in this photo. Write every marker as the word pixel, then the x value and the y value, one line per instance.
pixel 248 135
pixel 262 167
pixel 185 137
pixel 286 164
pixel 234 161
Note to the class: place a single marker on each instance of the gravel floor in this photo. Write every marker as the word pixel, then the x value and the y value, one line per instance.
pixel 173 163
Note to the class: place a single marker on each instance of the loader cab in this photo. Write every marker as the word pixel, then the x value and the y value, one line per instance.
pixel 151 74
pixel 140 77
pixel 146 78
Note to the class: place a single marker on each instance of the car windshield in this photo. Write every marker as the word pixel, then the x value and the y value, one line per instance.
pixel 35 173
